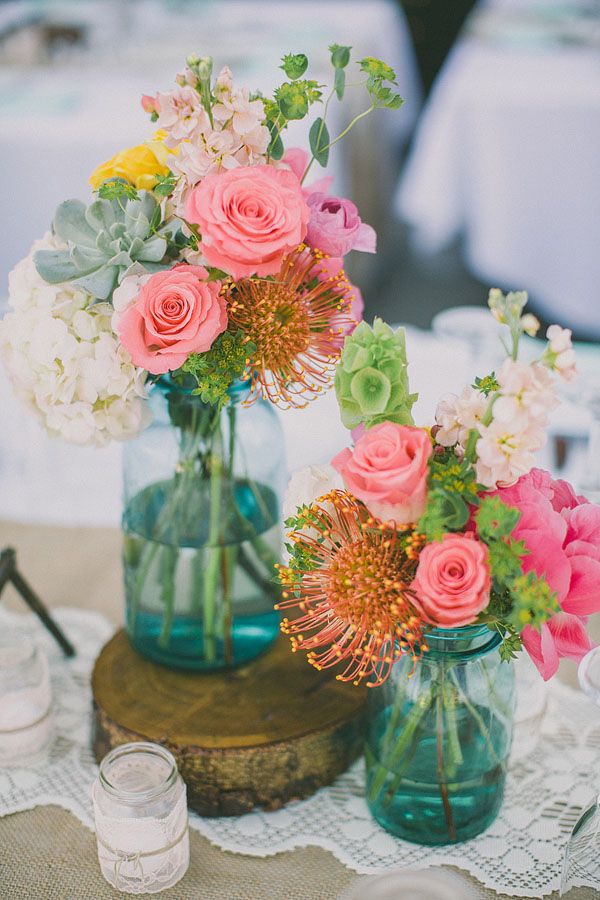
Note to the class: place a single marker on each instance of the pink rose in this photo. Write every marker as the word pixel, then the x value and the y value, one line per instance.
pixel 250 218
pixel 561 532
pixel 387 470
pixel 177 312
pixel 452 582
pixel 335 226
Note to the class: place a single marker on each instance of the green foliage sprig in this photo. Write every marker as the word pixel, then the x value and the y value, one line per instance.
pixel 217 369
pixel 452 490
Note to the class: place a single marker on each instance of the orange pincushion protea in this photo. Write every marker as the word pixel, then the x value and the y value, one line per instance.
pixel 349 579
pixel 297 322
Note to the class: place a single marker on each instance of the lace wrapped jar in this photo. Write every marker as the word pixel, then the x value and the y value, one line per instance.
pixel 141 818
pixel 202 529
pixel 438 740
pixel 25 701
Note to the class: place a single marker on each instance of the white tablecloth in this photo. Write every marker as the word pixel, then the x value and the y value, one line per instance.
pixel 506 153
pixel 58 123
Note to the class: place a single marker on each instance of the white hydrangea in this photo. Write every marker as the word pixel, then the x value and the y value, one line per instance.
pixel 66 362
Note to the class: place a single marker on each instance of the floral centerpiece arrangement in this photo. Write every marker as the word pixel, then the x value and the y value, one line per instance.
pixel 425 558
pixel 206 274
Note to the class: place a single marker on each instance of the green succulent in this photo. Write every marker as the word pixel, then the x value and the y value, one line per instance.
pixel 371 380
pixel 106 241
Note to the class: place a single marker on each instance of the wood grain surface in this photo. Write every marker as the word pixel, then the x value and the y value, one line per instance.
pixel 261 735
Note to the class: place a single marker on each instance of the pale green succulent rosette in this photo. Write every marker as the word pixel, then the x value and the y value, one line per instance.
pixel 371 380
pixel 106 241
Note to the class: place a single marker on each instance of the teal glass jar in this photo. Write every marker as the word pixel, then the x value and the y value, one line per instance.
pixel 438 739
pixel 201 526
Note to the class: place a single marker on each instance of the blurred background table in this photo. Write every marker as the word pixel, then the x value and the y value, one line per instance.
pixel 59 120
pixel 506 155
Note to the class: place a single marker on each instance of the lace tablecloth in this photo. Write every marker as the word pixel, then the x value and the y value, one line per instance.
pixel 520 854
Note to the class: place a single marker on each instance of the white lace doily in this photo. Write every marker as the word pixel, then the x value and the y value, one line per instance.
pixel 520 854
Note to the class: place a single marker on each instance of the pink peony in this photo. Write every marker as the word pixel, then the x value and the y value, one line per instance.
pixel 177 312
pixel 387 470
pixel 563 635
pixel 335 226
pixel 561 532
pixel 297 160
pixel 250 218
pixel 452 582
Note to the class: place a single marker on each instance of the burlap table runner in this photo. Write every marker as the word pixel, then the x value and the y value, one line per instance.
pixel 47 854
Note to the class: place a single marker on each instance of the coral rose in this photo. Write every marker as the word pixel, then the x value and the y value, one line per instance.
pixel 387 470
pixel 452 583
pixel 250 218
pixel 177 312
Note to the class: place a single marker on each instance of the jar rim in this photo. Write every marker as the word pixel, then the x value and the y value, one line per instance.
pixel 460 632
pixel 141 747
pixel 166 383
pixel 462 642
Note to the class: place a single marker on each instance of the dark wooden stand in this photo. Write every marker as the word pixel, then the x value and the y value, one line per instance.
pixel 262 735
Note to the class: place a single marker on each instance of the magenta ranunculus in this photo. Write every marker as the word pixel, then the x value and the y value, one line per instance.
pixel 335 226
pixel 452 582
pixel 249 218
pixel 387 470
pixel 177 312
pixel 561 532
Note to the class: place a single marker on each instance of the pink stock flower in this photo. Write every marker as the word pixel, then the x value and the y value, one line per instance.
pixel 452 582
pixel 250 218
pixel 387 470
pixel 149 104
pixel 561 532
pixel 177 312
pixel 335 226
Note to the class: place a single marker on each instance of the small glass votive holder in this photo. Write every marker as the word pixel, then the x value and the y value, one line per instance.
pixel 25 702
pixel 140 810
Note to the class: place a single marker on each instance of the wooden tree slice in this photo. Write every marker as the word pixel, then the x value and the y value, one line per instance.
pixel 261 735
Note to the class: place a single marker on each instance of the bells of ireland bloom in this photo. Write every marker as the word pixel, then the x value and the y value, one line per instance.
pixel 371 380
pixel 106 241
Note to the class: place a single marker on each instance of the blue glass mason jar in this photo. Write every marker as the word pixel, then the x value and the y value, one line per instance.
pixel 201 526
pixel 438 740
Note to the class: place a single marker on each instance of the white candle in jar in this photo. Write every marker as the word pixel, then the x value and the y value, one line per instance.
pixel 141 819
pixel 25 702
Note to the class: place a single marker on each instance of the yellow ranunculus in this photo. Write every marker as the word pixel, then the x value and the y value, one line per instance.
pixel 139 165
